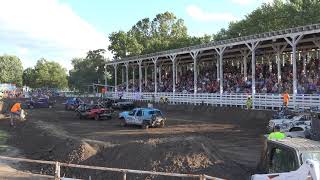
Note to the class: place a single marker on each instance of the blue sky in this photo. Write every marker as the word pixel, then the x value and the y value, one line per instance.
pixel 62 29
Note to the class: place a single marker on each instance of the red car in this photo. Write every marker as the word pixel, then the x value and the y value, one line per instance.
pixel 96 112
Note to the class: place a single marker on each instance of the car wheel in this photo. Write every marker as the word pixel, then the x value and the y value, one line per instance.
pixel 145 126
pixel 123 122
pixel 96 117
pixel 162 124
pixel 50 106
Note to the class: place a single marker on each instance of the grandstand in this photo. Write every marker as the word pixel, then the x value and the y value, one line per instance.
pixel 226 72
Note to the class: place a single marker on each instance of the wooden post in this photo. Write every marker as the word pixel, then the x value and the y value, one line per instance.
pixel 57 171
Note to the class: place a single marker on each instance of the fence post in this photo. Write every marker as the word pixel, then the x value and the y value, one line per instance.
pixel 124 176
pixel 57 171
pixel 202 177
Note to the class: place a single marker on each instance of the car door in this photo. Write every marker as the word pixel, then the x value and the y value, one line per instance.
pixel 282 160
pixel 139 117
pixel 131 117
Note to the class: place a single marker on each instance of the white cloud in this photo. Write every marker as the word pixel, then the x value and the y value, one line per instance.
pixel 47 28
pixel 200 15
pixel 249 2
pixel 268 1
pixel 243 2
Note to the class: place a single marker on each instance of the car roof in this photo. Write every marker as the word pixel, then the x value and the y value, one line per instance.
pixel 299 144
pixel 147 109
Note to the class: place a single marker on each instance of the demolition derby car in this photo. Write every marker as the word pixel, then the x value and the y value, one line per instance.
pixel 97 112
pixel 122 105
pixel 144 117
pixel 300 122
pixel 39 103
pixel 72 103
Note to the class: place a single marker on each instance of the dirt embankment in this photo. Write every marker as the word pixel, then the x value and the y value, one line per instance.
pixel 219 142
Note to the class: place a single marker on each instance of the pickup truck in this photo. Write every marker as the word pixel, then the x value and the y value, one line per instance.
pixel 281 158
pixel 144 117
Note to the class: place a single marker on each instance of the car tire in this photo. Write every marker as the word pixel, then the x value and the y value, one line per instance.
pixel 50 106
pixel 123 122
pixel 97 117
pixel 145 126
pixel 162 124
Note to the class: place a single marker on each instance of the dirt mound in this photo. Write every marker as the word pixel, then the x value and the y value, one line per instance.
pixel 222 142
pixel 44 141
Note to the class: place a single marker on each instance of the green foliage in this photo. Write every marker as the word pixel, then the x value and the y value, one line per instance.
pixel 164 32
pixel 88 70
pixel 271 17
pixel 46 74
pixel 11 70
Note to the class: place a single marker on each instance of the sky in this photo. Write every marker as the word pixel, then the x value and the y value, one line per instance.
pixel 60 30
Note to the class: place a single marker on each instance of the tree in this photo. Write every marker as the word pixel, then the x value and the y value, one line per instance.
pixel 46 74
pixel 147 36
pixel 11 70
pixel 275 16
pixel 29 77
pixel 88 70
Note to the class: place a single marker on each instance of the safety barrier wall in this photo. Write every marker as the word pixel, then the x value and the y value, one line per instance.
pixel 260 101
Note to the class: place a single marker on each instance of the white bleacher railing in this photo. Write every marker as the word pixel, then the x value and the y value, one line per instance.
pixel 260 101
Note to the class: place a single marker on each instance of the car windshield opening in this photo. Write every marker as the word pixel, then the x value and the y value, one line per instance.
pixel 157 113
pixel 311 156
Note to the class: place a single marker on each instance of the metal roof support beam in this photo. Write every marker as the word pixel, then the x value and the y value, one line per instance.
pixel 245 53
pixel 220 52
pixel 126 64
pixel 304 61
pixel 173 60
pixel 279 48
pixel 122 74
pixel 133 77
pixel 154 60
pixel 316 42
pixel 140 75
pixel 253 46
pixel 146 74
pixel 160 69
pixel 105 76
pixel 293 41
pixel 115 77
pixel 194 55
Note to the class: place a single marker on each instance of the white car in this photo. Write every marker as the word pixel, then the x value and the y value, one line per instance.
pixel 297 123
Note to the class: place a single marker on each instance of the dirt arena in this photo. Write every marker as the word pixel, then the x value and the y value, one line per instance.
pixel 224 143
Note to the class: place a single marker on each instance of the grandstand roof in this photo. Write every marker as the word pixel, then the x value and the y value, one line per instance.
pixel 310 32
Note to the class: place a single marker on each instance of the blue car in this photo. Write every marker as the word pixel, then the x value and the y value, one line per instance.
pixel 72 103
pixel 39 103
pixel 144 117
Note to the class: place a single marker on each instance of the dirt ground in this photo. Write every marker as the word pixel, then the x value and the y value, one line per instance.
pixel 224 143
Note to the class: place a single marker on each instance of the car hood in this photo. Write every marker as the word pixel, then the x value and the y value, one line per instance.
pixel 125 113
pixel 277 121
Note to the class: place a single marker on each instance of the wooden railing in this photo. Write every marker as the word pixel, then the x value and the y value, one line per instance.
pixel 124 172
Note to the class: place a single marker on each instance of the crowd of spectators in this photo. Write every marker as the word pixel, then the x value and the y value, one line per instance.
pixel 235 82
